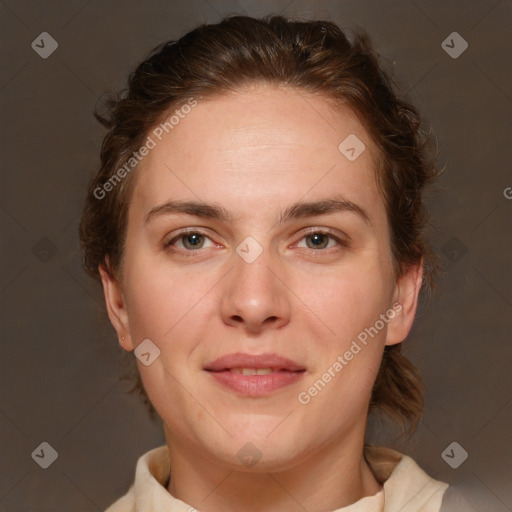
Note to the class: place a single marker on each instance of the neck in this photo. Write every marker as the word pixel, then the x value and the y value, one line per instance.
pixel 334 477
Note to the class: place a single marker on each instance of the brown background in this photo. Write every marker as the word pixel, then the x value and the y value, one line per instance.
pixel 59 360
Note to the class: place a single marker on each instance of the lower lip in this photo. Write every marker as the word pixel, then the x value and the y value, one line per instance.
pixel 256 385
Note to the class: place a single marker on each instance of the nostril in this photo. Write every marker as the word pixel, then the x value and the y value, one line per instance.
pixel 237 318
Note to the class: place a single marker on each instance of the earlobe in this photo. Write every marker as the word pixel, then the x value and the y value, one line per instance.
pixel 116 307
pixel 406 294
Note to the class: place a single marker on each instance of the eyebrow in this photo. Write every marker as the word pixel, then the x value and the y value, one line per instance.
pixel 296 211
pixel 326 206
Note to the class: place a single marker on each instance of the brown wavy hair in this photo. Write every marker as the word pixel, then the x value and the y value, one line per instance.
pixel 309 56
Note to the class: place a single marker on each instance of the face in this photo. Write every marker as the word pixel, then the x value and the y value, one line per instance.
pixel 258 261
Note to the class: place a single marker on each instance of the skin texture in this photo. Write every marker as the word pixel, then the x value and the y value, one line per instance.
pixel 255 153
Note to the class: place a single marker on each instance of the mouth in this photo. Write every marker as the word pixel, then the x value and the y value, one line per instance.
pixel 255 375
pixel 256 371
pixel 240 362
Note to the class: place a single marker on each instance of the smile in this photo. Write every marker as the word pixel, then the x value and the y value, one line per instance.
pixel 254 382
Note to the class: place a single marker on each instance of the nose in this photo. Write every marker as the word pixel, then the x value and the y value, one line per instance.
pixel 255 297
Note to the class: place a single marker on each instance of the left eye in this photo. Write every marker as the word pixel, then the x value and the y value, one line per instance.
pixel 319 240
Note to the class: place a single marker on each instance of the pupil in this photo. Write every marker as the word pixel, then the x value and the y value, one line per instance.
pixel 194 239
pixel 318 240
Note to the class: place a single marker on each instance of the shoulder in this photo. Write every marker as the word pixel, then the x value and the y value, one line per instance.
pixel 407 487
pixel 454 501
pixel 124 504
pixel 151 473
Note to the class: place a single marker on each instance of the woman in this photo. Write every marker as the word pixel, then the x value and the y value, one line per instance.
pixel 258 227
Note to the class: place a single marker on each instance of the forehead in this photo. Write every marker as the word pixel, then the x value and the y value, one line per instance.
pixel 259 148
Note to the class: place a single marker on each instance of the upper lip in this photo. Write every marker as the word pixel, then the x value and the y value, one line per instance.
pixel 240 360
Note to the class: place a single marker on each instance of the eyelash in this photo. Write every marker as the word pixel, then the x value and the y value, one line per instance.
pixel 194 253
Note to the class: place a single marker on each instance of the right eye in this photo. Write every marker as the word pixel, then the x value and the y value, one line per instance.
pixel 189 241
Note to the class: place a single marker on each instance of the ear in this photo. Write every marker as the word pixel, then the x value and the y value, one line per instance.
pixel 405 303
pixel 116 307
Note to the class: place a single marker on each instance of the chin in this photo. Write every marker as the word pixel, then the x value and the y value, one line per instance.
pixel 254 457
pixel 254 450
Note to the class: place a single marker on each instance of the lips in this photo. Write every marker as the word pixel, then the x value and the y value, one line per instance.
pixel 240 360
pixel 255 375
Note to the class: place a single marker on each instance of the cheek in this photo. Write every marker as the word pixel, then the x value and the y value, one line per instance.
pixel 347 300
pixel 162 300
pixel 165 306
pixel 347 361
pixel 155 297
pixel 150 305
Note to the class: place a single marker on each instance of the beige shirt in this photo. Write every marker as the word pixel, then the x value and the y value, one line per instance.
pixel 406 487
